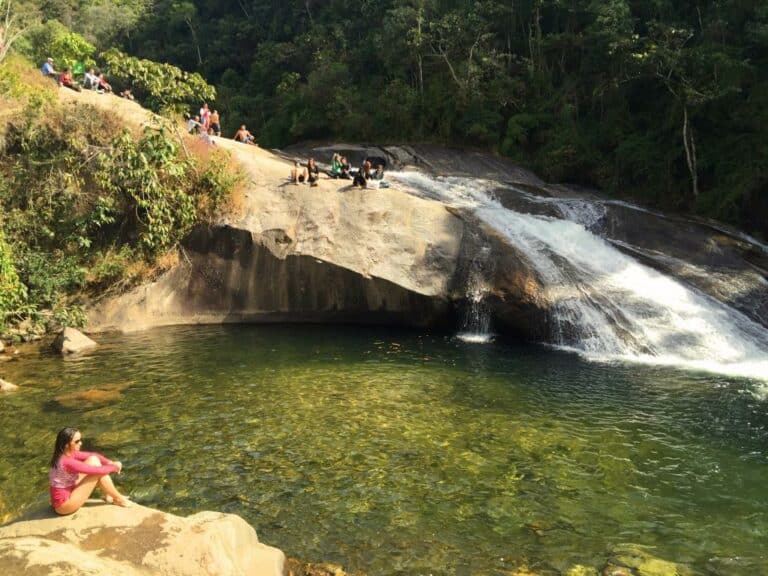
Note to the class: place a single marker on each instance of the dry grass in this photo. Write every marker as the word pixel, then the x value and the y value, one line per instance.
pixel 204 154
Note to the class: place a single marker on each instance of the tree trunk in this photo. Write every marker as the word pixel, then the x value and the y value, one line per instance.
pixel 419 58
pixel 690 152
pixel 194 39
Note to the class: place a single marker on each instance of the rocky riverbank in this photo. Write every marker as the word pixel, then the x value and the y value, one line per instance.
pixel 105 539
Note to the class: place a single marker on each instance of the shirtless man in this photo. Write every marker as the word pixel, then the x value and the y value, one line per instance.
pixel 242 135
pixel 215 128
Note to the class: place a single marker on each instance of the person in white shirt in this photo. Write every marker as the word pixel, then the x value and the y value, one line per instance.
pixel 91 80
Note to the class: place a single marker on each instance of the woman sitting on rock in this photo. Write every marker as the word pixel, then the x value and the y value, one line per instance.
pixel 336 166
pixel 74 474
pixel 313 172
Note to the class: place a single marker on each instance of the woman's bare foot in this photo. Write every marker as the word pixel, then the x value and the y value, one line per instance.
pixel 123 501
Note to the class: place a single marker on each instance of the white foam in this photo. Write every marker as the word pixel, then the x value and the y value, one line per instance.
pixel 606 305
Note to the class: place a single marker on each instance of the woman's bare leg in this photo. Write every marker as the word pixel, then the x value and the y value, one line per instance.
pixel 85 487
pixel 79 495
pixel 106 484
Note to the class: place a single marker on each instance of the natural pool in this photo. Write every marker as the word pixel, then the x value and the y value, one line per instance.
pixel 407 453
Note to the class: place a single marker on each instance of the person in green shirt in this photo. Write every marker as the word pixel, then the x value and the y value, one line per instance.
pixel 336 166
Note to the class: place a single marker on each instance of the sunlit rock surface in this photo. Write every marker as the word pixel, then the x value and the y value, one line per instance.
pixel 72 341
pixel 6 386
pixel 105 539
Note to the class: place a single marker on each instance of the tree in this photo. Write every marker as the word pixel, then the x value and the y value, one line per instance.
pixel 13 24
pixel 694 73
pixel 162 85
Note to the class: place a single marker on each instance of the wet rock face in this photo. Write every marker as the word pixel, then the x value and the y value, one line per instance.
pixel 234 272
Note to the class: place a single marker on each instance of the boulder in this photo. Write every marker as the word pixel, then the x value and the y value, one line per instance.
pixel 72 341
pixel 6 386
pixel 634 560
pixel 104 539
pixel 2 347
pixel 93 397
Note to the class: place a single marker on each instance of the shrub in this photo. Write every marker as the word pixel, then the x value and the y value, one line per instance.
pixel 161 86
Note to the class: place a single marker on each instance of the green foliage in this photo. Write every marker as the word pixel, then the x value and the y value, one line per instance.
pixel 160 85
pixel 13 293
pixel 86 206
pixel 150 179
pixel 559 85
pixel 53 39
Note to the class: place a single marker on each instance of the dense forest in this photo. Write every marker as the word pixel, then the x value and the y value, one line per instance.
pixel 664 102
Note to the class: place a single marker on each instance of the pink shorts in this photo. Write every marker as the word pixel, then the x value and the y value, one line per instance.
pixel 60 495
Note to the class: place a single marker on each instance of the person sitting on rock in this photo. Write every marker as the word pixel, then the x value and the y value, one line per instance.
pixel 313 172
pixel 67 81
pixel 336 166
pixel 50 72
pixel 359 179
pixel 298 173
pixel 106 86
pixel 367 173
pixel 74 474
pixel 379 175
pixel 194 126
pixel 345 168
pixel 90 80
pixel 244 136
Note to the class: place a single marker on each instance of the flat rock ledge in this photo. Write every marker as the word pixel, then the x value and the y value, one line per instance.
pixel 137 541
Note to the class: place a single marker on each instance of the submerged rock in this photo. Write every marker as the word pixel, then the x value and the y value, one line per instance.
pixel 72 341
pixel 581 570
pixel 92 397
pixel 6 386
pixel 294 567
pixel 104 539
pixel 633 560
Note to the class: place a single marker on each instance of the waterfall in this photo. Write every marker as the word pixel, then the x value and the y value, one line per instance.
pixel 476 326
pixel 605 304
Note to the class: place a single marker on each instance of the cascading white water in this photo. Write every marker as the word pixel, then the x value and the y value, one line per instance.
pixel 476 326
pixel 606 305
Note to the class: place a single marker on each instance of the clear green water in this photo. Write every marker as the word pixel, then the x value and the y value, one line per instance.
pixel 405 453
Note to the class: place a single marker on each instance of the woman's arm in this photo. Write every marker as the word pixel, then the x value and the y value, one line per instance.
pixel 71 464
pixel 80 455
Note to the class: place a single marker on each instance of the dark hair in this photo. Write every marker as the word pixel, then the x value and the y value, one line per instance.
pixel 63 438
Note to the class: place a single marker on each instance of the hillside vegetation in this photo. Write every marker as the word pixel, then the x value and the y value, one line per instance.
pixel 89 203
pixel 660 101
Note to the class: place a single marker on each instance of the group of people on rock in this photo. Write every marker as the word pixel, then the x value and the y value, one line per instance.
pixel 340 169
pixel 92 80
pixel 309 173
pixel 206 122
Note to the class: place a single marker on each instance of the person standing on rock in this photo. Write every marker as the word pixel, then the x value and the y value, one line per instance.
pixel 74 474
pixel 215 128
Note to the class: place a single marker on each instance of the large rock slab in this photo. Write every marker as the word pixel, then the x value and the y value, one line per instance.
pixel 104 539
pixel 330 253
pixel 72 341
